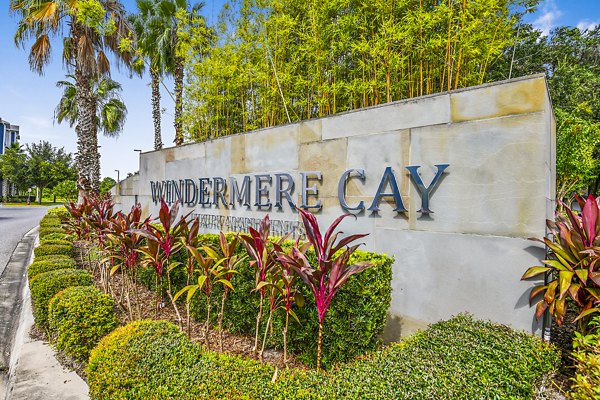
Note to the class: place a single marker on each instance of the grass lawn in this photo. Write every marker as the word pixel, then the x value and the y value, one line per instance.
pixel 44 203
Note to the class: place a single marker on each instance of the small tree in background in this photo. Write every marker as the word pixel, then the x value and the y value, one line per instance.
pixel 107 184
pixel 66 190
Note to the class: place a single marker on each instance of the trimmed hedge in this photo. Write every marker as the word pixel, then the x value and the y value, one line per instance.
pixel 78 318
pixel 49 264
pixel 44 286
pixel 60 212
pixel 63 248
pixel 55 236
pixel 53 257
pixel 353 325
pixel 49 230
pixel 50 221
pixel 60 242
pixel 459 358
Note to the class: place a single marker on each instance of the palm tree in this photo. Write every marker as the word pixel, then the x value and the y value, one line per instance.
pixel 161 26
pixel 147 25
pixel 110 109
pixel 86 36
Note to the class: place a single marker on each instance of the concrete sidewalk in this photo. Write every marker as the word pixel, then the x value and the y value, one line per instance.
pixel 33 370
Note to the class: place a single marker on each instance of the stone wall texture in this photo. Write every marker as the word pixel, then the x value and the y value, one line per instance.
pixel 469 255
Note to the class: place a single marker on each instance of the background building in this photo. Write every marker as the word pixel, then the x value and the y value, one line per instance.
pixel 9 135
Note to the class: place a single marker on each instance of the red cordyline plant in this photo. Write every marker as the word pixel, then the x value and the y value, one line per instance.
pixel 211 271
pixel 77 223
pixel 124 244
pixel 164 241
pixel 189 238
pixel 264 259
pixel 91 222
pixel 572 270
pixel 231 263
pixel 333 265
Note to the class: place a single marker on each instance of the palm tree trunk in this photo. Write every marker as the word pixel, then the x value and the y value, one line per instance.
pixel 87 139
pixel 158 144
pixel 178 74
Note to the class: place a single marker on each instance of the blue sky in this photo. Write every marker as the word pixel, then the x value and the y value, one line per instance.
pixel 28 100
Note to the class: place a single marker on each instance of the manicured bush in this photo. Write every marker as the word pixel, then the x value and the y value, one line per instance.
pixel 461 358
pixel 44 286
pixel 142 360
pixel 55 236
pixel 50 221
pixel 60 212
pixel 354 323
pixel 64 248
pixel 49 230
pixel 78 317
pixel 53 257
pixel 60 242
pixel 49 264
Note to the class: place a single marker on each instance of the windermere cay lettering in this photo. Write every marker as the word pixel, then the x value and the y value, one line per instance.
pixel 216 191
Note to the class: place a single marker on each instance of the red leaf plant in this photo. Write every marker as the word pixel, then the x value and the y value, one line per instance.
pixel 164 241
pixel 572 270
pixel 264 259
pixel 333 265
pixel 124 243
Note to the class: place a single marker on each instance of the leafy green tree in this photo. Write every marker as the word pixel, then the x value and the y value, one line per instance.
pixel 43 165
pixel 13 166
pixel 88 29
pixel 107 184
pixel 67 190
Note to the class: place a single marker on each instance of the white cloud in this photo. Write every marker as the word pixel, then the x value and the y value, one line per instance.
pixel 547 20
pixel 584 25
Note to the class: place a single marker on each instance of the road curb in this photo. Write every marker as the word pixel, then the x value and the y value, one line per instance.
pixel 12 282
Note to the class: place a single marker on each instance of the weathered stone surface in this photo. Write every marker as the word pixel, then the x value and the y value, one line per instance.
pixel 496 182
pixel 310 131
pixel 441 274
pixel 521 96
pixel 324 156
pixel 403 114
pixel 272 149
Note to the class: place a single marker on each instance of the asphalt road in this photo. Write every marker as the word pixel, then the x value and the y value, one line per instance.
pixel 14 223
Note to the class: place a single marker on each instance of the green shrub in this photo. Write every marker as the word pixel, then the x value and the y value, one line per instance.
pixel 49 264
pixel 44 286
pixel 586 382
pixel 353 325
pixel 461 358
pixel 78 317
pixel 49 230
pixel 64 248
pixel 60 242
pixel 144 359
pixel 55 236
pixel 50 221
pixel 60 212
pixel 53 257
